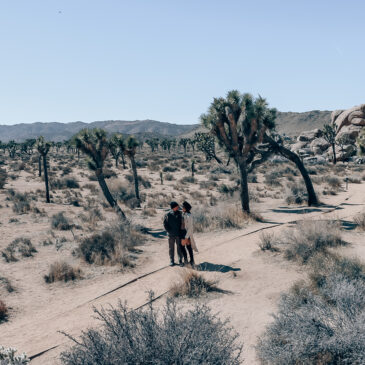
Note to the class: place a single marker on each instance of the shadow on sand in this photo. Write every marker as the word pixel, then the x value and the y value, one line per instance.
pixel 207 266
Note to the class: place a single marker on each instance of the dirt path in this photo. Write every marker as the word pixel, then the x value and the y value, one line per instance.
pixel 255 280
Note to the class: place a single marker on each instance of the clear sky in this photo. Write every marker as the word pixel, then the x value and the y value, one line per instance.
pixel 69 60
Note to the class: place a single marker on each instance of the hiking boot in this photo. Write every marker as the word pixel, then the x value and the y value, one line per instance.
pixel 181 264
pixel 192 263
pixel 172 263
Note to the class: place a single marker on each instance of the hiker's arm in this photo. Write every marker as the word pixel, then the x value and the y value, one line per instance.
pixel 166 224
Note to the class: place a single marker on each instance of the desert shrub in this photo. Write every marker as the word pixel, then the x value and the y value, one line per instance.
pixel 187 180
pixel 252 178
pixel 21 202
pixel 220 218
pixel 149 212
pixel 65 183
pixel 267 242
pixel 5 282
pixel 125 193
pixel 20 246
pixel 3 178
pixel 169 169
pixel 108 173
pixel 150 336
pixel 66 170
pixel 142 180
pixel 333 182
pixel 59 221
pixel 221 170
pixel 354 179
pixel 310 238
pixel 111 245
pixel 192 284
pixel 207 184
pixel 273 178
pixel 322 321
pixel 225 189
pixel 62 271
pixel 8 357
pixel 295 194
pixel 359 219
pixel 169 177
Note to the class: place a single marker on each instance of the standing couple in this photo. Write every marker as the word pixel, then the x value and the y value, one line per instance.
pixel 179 227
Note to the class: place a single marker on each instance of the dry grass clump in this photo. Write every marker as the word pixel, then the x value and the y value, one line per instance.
pixel 3 312
pixel 5 282
pixel 111 246
pixel 310 238
pixel 295 194
pixel 170 335
pixel 321 321
pixel 192 285
pixel 59 221
pixel 267 241
pixel 273 178
pixel 208 219
pixel 19 247
pixel 65 183
pixel 359 219
pixel 62 271
pixel 21 202
pixel 333 182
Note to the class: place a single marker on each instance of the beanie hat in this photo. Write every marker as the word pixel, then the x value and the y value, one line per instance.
pixel 173 205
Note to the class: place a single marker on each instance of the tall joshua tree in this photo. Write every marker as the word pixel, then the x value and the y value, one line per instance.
pixel 206 144
pixel 329 134
pixel 239 122
pixel 95 145
pixel 43 149
pixel 130 151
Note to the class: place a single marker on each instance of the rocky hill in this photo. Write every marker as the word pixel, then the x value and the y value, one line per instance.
pixel 289 123
pixel 63 131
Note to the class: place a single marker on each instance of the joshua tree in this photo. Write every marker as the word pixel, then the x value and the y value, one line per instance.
pixel 115 143
pixel 205 143
pixel 192 143
pixel 184 142
pixel 43 149
pixel 239 122
pixel 12 147
pixel 329 134
pixel 95 145
pixel 192 168
pixel 27 146
pixel 166 144
pixel 153 143
pixel 130 151
pixel 161 177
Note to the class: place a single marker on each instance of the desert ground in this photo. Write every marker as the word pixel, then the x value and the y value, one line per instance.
pixel 252 279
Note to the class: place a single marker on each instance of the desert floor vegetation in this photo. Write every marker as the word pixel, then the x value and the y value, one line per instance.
pixel 78 235
pixel 154 336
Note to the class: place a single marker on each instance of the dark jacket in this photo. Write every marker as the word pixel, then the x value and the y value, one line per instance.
pixel 172 223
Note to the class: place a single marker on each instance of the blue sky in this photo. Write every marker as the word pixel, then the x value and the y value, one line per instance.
pixel 69 60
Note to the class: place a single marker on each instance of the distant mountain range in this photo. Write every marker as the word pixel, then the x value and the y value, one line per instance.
pixel 289 123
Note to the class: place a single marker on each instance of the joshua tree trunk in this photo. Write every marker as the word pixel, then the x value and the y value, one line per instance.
pixel 40 165
pixel 245 200
pixel 192 168
pixel 116 161
pixel 312 197
pixel 334 154
pixel 135 177
pixel 108 196
pixel 123 161
pixel 46 177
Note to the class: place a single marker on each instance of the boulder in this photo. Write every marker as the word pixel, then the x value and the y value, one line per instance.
pixel 358 121
pixel 305 152
pixel 356 114
pixel 343 119
pixel 309 136
pixel 319 145
pixel 335 114
pixel 317 159
pixel 350 131
pixel 297 146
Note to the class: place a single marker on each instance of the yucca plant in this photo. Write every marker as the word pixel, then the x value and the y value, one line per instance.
pixel 94 144
pixel 329 134
pixel 130 150
pixel 43 149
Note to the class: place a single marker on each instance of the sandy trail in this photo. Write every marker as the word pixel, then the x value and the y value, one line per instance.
pixel 255 286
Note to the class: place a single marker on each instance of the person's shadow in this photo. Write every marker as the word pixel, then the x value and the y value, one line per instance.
pixel 208 266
